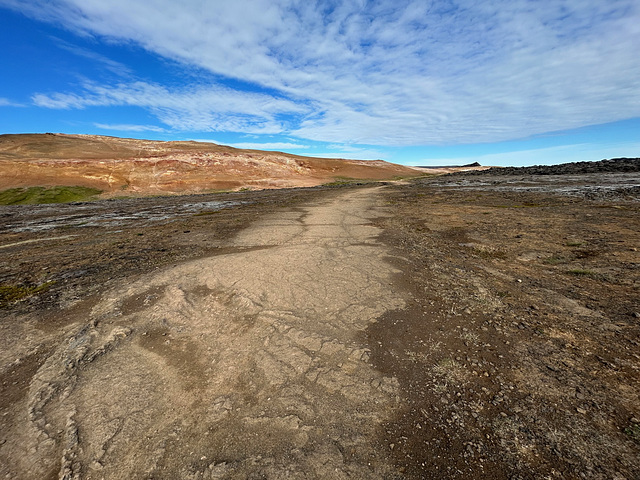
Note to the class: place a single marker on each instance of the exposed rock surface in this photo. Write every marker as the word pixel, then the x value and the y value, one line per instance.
pixel 121 166
pixel 620 165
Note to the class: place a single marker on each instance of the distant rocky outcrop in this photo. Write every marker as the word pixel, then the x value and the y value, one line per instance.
pixel 124 166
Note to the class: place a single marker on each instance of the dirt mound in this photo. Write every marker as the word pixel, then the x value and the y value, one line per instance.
pixel 614 165
pixel 123 166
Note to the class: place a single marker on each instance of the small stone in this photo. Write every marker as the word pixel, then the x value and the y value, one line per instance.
pixel 636 314
pixel 581 410
pixel 634 420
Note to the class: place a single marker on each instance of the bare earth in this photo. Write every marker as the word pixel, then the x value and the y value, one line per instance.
pixel 126 166
pixel 444 328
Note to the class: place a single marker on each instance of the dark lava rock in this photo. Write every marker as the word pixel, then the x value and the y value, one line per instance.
pixel 615 165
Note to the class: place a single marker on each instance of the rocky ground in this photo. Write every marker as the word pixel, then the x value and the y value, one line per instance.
pixel 450 327
pixel 614 165
pixel 518 353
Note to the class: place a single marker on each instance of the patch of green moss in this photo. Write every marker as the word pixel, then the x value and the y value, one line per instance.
pixel 582 273
pixel 14 293
pixel 34 195
pixel 633 431
pixel 554 260
pixel 338 181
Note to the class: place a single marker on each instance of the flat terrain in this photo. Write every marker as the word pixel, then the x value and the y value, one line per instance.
pixel 453 327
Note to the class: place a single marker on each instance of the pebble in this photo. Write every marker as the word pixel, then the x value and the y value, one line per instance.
pixel 581 410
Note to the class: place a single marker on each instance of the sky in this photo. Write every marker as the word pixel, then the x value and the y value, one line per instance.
pixel 440 82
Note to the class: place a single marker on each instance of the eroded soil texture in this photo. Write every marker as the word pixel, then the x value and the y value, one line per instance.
pixel 517 354
pixel 451 327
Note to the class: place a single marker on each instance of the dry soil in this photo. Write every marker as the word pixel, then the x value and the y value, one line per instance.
pixel 451 327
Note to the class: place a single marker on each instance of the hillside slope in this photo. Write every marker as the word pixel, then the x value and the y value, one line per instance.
pixel 143 167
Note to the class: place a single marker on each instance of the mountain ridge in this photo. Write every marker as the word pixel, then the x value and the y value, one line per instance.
pixel 146 167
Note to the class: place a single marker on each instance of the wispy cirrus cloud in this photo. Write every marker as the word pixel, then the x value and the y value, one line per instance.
pixel 213 108
pixel 384 73
pixel 129 127
pixel 5 102
pixel 115 67
pixel 268 145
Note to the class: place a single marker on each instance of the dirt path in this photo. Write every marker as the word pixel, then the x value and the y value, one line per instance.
pixel 251 363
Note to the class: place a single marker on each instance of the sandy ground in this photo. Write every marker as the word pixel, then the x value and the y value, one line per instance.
pixel 442 328
pixel 245 363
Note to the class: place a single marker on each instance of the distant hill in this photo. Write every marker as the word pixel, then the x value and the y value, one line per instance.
pixel 124 166
pixel 470 165
pixel 444 169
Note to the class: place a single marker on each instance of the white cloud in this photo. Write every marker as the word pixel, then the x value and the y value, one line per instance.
pixel 5 102
pixel 129 128
pixel 349 152
pixel 201 108
pixel 257 145
pixel 269 146
pixel 394 72
pixel 116 67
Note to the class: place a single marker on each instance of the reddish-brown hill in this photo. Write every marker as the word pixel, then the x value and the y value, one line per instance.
pixel 143 167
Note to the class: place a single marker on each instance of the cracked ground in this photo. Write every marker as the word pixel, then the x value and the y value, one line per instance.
pixel 424 330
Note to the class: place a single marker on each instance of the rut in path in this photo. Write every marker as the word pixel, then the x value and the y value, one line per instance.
pixel 251 362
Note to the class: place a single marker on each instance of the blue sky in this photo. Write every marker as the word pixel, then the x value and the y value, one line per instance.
pixel 502 82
